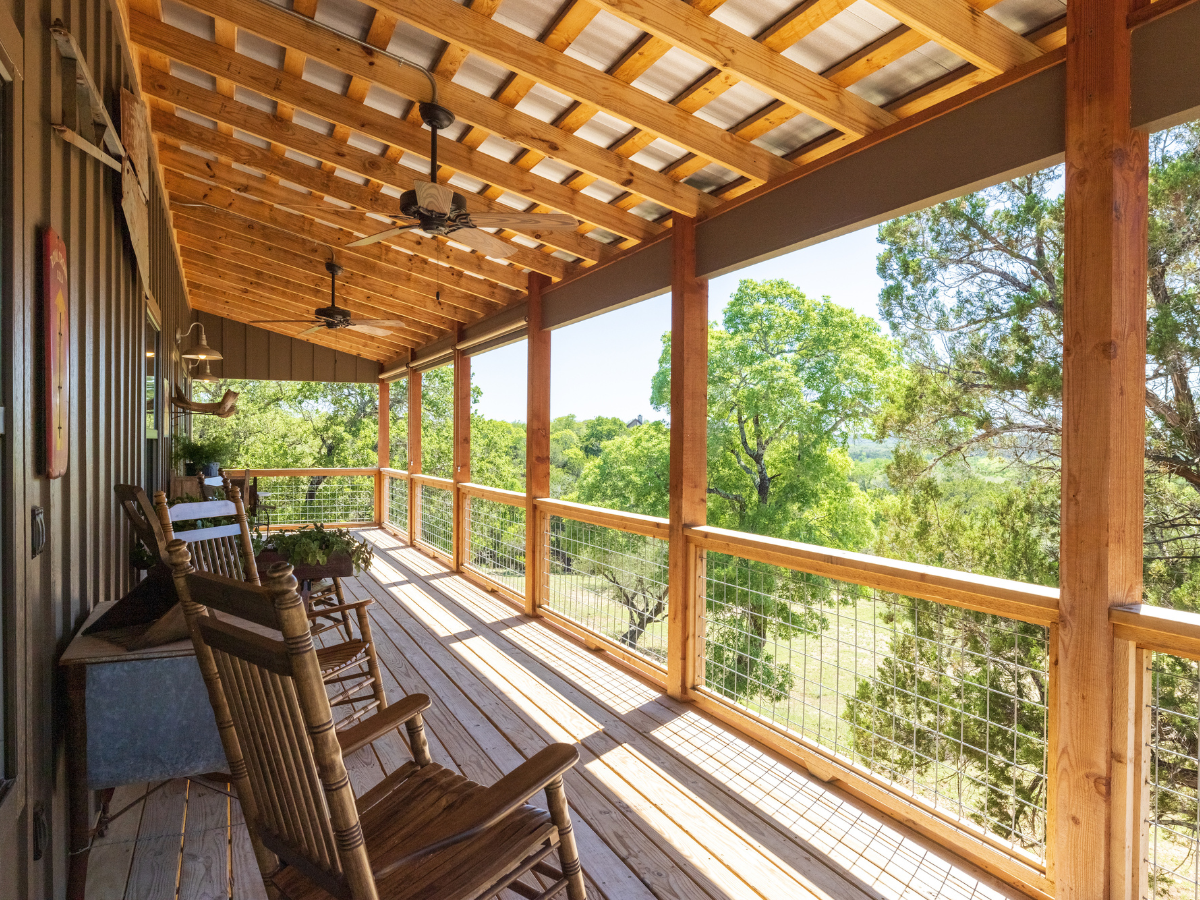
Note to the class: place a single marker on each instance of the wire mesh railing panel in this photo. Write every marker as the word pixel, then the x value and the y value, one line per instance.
pixel 397 503
pixel 611 582
pixel 437 518
pixel 496 542
pixel 312 499
pixel 947 704
pixel 1173 863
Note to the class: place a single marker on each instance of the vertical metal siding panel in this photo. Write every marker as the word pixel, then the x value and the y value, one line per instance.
pixel 257 350
pixel 368 371
pixel 323 369
pixel 281 357
pixel 344 367
pixel 235 333
pixel 302 360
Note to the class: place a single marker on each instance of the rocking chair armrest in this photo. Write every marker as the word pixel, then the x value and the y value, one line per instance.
pixel 505 796
pixel 374 727
pixel 322 611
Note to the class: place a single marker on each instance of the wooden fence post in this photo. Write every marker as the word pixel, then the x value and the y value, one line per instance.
pixel 1104 360
pixel 462 454
pixel 414 455
pixel 689 454
pixel 537 447
pixel 383 448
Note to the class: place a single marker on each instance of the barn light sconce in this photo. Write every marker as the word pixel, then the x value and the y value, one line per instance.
pixel 199 348
pixel 207 376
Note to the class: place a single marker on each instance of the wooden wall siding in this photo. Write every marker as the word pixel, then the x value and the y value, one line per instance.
pixel 266 355
pixel 84 562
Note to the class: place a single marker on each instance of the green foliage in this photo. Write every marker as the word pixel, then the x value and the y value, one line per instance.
pixel 201 451
pixel 314 545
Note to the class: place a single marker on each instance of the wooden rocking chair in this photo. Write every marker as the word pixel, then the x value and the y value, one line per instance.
pixel 423 833
pixel 351 666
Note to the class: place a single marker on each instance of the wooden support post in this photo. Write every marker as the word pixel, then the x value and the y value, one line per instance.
pixel 1104 359
pixel 462 454
pixel 383 450
pixel 414 454
pixel 537 447
pixel 688 504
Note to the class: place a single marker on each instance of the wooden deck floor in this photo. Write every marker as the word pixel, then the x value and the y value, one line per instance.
pixel 667 804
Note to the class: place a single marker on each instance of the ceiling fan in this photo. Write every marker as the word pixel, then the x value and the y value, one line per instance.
pixel 438 210
pixel 334 316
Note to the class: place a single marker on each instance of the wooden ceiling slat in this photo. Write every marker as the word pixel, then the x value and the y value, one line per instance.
pixel 341 110
pixel 353 289
pixel 453 305
pixel 248 306
pixel 401 268
pixel 956 25
pixel 518 53
pixel 347 55
pixel 719 45
pixel 180 130
pixel 231 305
pixel 314 178
pixel 309 142
pixel 256 276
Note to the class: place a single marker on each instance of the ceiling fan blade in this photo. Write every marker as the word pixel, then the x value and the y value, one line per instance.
pixel 381 236
pixel 483 242
pixel 382 323
pixel 369 329
pixel 312 330
pixel 435 198
pixel 523 220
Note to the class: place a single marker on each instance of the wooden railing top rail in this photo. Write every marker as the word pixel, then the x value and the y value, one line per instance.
pixel 393 473
pixel 497 495
pixel 432 480
pixel 651 526
pixel 301 473
pixel 1158 628
pixel 1012 599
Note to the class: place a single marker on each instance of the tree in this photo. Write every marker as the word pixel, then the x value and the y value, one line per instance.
pixel 791 380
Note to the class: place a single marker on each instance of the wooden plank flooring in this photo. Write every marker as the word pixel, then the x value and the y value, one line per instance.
pixel 666 803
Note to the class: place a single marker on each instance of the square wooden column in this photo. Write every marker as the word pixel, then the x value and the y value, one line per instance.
pixel 414 452
pixel 1093 854
pixel 383 450
pixel 688 505
pixel 462 452
pixel 537 446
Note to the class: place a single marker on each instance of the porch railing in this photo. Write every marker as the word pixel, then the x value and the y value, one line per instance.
pixel 928 693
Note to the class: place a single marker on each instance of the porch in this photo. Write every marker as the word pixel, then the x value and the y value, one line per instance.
pixel 668 802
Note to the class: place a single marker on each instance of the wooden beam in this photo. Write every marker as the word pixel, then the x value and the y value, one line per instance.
pixel 513 50
pixel 455 305
pixel 957 25
pixel 310 143
pixel 462 456
pixel 272 276
pixel 688 503
pixel 383 451
pixel 537 447
pixel 411 270
pixel 347 55
pixel 1104 419
pixel 220 228
pixel 731 51
pixel 322 183
pixel 414 454
pixel 363 119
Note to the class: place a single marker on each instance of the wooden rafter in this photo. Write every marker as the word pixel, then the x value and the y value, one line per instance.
pixel 730 50
pixel 344 156
pixel 366 120
pixel 349 56
pixel 958 26
pixel 512 50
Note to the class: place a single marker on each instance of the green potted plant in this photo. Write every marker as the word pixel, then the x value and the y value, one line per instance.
pixel 202 456
pixel 315 545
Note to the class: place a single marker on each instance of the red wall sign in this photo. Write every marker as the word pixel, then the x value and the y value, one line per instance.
pixel 57 326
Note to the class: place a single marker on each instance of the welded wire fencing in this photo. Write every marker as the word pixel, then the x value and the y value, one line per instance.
pixel 1173 858
pixel 311 499
pixel 946 704
pixel 611 582
pixel 496 542
pixel 437 518
pixel 397 503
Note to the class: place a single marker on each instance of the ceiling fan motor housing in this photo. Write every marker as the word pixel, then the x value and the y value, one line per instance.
pixel 412 209
pixel 334 316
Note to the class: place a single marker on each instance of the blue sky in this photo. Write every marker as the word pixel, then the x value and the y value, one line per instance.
pixel 603 366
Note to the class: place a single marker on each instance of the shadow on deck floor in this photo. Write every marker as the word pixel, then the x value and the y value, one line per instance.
pixel 667 804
